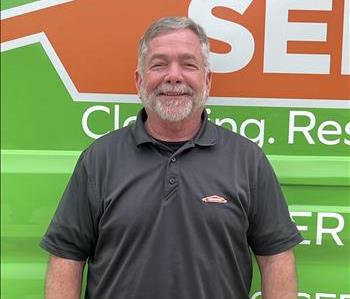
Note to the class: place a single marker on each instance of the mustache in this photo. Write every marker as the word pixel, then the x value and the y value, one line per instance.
pixel 180 89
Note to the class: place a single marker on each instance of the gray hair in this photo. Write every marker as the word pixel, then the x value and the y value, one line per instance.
pixel 168 24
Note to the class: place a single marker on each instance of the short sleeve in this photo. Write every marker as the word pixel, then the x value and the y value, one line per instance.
pixel 271 229
pixel 72 231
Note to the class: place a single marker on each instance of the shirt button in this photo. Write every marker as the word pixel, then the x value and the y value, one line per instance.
pixel 173 159
pixel 172 181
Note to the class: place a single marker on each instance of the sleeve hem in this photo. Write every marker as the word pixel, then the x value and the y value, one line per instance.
pixel 288 244
pixel 44 244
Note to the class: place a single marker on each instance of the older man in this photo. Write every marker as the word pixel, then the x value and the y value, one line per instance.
pixel 171 206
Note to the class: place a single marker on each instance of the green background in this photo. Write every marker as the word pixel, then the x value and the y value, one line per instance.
pixel 42 136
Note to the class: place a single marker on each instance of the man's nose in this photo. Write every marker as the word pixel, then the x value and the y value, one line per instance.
pixel 174 74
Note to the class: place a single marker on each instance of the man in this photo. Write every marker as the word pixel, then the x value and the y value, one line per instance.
pixel 171 206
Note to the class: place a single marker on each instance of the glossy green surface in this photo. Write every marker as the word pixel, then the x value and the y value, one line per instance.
pixel 30 194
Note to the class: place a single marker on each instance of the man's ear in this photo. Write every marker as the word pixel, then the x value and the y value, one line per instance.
pixel 138 81
pixel 208 81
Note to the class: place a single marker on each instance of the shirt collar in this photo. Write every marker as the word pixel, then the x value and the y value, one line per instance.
pixel 206 136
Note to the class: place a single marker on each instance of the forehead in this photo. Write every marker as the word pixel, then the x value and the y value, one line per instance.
pixel 183 42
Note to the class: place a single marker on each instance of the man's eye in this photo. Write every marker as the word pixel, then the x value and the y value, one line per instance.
pixel 191 66
pixel 157 65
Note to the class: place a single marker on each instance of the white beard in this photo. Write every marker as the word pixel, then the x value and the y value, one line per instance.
pixel 173 109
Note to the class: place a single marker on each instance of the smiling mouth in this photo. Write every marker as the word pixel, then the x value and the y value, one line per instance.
pixel 173 94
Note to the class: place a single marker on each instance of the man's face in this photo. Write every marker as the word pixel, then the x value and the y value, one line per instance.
pixel 175 83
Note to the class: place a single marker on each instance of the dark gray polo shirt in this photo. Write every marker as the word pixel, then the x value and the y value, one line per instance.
pixel 134 211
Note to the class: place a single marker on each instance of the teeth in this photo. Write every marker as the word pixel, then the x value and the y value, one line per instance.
pixel 174 94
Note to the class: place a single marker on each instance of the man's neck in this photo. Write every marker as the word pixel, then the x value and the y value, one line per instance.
pixel 173 131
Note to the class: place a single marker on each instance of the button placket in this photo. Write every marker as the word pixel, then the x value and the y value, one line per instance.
pixel 171 177
pixel 172 168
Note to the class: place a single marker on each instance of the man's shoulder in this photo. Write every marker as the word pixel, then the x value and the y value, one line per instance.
pixel 110 144
pixel 113 137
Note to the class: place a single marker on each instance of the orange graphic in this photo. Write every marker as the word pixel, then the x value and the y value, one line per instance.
pixel 97 44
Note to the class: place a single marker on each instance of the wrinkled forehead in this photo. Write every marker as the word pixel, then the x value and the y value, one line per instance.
pixel 182 56
pixel 182 42
pixel 184 33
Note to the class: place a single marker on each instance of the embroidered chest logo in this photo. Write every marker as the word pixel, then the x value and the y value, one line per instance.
pixel 214 198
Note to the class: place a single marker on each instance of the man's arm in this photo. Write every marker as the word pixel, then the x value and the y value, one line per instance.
pixel 278 276
pixel 63 278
